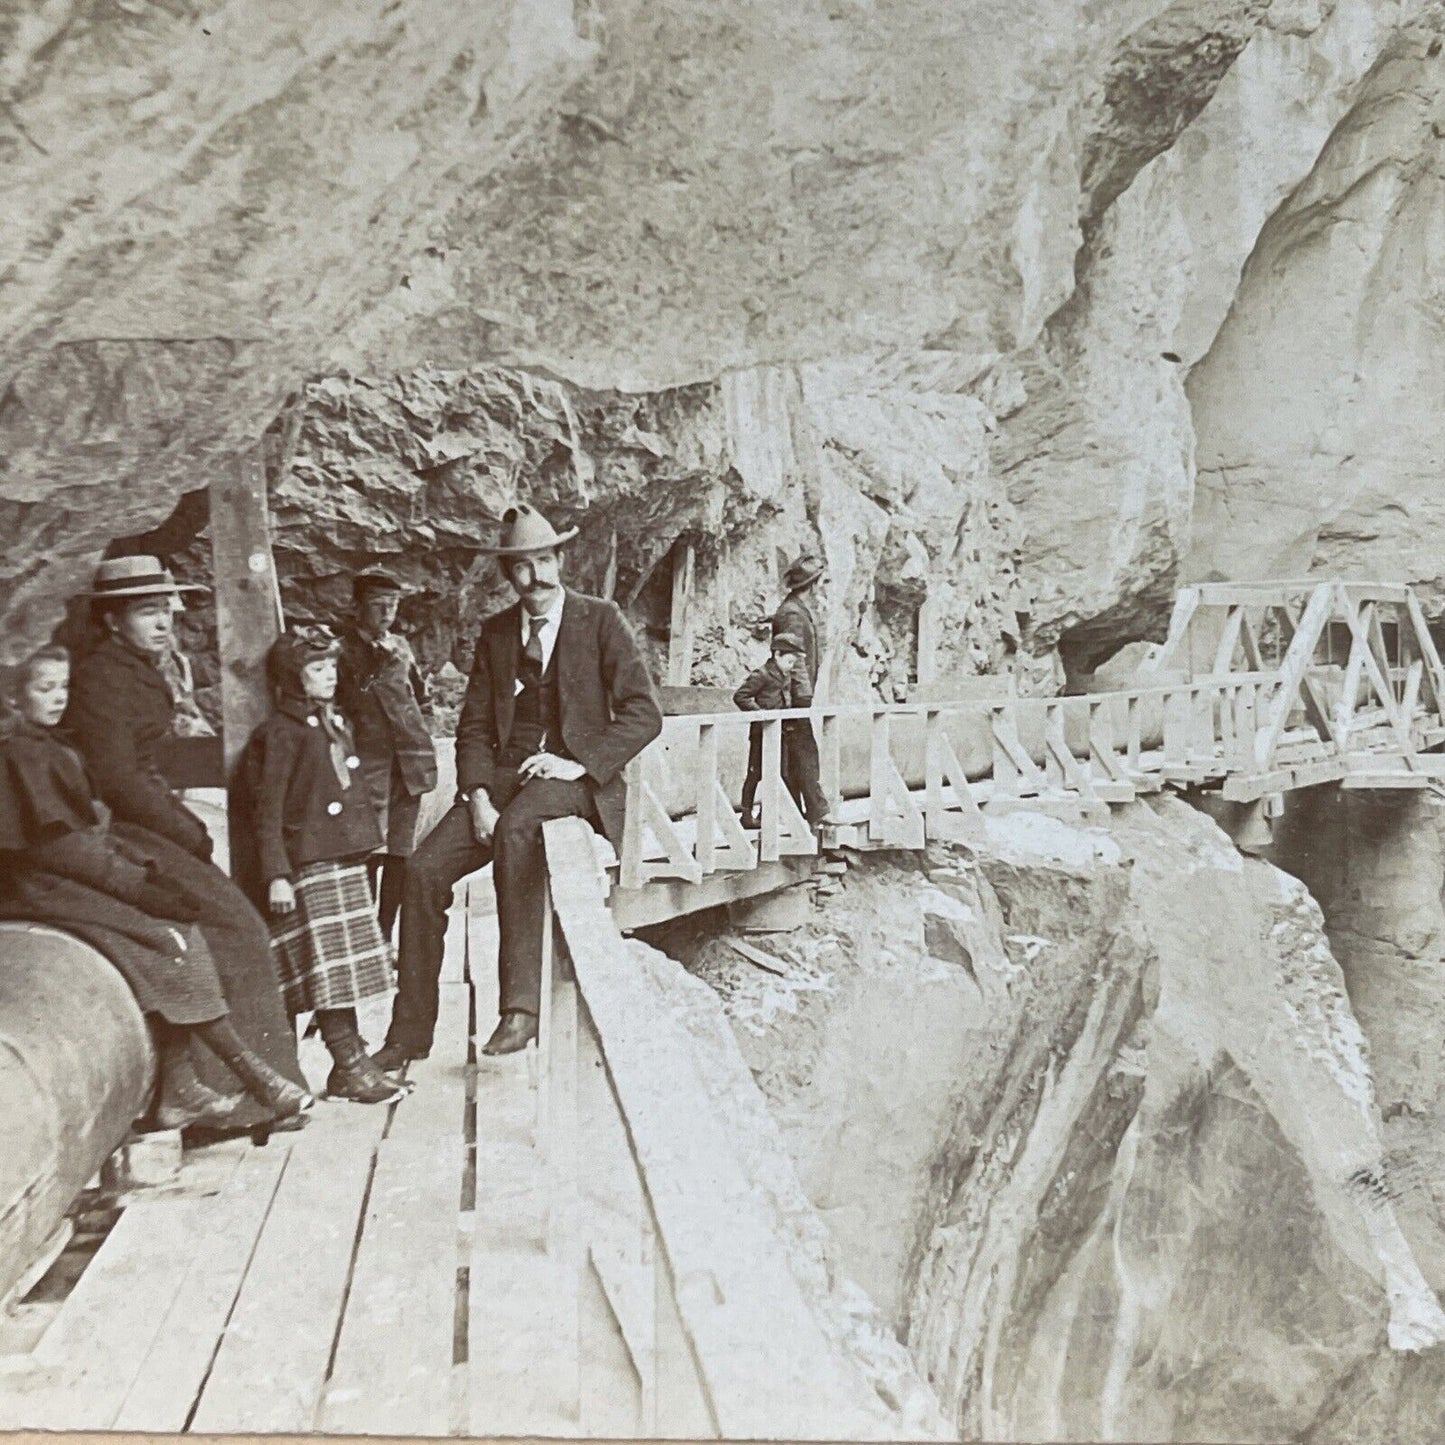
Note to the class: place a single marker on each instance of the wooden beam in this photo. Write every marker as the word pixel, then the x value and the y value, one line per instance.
pixel 680 633
pixel 1293 670
pixel 1186 602
pixel 665 899
pixel 928 640
pixel 248 599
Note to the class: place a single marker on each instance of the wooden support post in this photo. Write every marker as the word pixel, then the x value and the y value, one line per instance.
pixel 928 639
pixel 680 635
pixel 942 769
pixel 248 607
pixel 564 1241
pixel 1176 726
pixel 1293 672
pixel 830 758
pixel 1186 603
pixel 618 1365
pixel 653 793
pixel 770 789
pixel 629 872
pixel 894 819
pixel 707 796
pixel 1229 640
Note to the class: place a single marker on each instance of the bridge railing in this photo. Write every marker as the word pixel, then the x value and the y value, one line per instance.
pixel 691 1322
pixel 919 764
pixel 1279 684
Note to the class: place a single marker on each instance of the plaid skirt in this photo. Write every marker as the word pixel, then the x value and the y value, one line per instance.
pixel 329 951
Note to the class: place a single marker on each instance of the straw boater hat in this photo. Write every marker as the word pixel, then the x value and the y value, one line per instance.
pixel 128 577
pixel 525 529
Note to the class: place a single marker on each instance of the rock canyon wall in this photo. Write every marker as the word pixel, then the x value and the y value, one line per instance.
pixel 1023 314
pixel 963 293
pixel 1090 1116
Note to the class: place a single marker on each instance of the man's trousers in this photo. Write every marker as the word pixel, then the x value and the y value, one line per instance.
pixel 801 768
pixel 446 855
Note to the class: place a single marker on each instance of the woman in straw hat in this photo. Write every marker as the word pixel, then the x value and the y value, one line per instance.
pixel 120 718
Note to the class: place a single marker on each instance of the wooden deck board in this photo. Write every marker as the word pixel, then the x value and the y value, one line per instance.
pixel 394 1357
pixel 433 1109
pixel 271 1367
pixel 85 1363
pixel 170 1379
pixel 522 1375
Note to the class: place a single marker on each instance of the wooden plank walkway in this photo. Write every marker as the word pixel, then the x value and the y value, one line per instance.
pixel 380 1272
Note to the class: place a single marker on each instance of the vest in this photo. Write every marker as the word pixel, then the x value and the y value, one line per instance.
pixel 534 715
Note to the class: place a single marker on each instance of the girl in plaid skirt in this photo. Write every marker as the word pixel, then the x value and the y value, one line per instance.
pixel 316 828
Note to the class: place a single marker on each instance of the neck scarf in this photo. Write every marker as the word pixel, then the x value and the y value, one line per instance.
pixel 335 731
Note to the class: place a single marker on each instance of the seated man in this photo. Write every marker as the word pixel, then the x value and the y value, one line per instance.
pixel 559 701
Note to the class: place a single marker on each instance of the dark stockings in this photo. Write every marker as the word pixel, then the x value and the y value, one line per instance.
pixel 340 1034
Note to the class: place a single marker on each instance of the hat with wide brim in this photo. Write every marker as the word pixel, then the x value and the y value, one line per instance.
pixel 808 568
pixel 127 577
pixel 789 642
pixel 525 529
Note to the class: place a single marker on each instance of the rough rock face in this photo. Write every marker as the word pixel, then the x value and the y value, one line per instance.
pixel 883 468
pixel 1100 458
pixel 984 242
pixel 1317 410
pixel 1122 1110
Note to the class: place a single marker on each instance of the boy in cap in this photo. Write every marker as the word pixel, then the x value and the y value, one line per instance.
pixel 783 682
pixel 381 692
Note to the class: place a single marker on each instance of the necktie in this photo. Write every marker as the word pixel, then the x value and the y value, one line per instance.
pixel 533 648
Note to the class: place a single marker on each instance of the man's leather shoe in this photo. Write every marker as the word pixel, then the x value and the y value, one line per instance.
pixel 392 1057
pixel 515 1032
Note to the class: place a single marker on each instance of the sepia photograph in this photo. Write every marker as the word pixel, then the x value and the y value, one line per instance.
pixel 723 719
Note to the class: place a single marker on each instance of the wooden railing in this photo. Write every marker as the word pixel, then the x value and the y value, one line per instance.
pixel 924 768
pixel 691 1322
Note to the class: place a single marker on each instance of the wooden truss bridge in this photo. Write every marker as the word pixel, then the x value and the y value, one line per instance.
pixel 1261 688
pixel 571 1243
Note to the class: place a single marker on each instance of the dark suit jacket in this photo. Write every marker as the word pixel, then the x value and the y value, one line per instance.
pixel 121 719
pixel 608 705
pixel 769 689
pixel 382 694
pixel 795 616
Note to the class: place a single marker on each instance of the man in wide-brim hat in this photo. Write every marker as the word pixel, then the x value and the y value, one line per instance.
pixel 794 615
pixel 559 701
pixel 381 692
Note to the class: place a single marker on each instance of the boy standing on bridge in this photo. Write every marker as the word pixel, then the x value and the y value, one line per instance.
pixel 783 682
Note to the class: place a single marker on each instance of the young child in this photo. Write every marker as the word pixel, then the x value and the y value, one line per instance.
pixel 315 829
pixel 61 863
pixel 782 682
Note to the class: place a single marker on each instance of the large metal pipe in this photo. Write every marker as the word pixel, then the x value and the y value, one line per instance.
pixel 76 1069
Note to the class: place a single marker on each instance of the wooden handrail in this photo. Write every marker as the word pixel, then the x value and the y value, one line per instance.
pixel 767 1367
